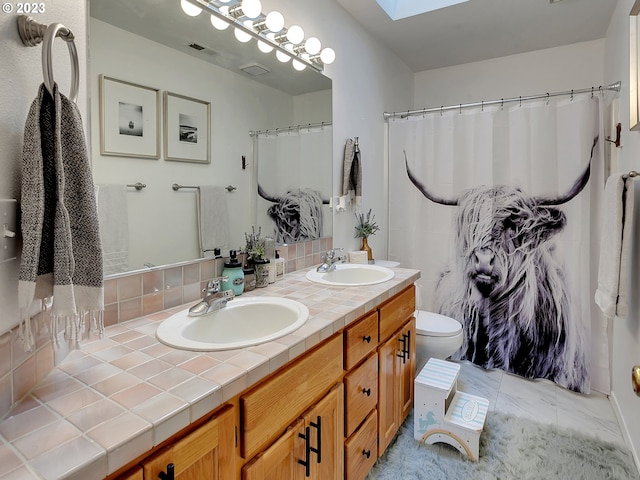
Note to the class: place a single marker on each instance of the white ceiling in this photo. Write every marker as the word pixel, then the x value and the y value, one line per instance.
pixel 482 29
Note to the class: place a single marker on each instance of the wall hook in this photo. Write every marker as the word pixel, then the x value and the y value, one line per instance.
pixel 616 142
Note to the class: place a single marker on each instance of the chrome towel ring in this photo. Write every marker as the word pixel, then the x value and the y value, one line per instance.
pixel 32 33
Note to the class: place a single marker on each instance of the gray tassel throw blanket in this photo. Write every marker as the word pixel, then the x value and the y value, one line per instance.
pixel 61 253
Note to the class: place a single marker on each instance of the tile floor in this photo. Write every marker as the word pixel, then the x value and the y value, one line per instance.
pixel 542 401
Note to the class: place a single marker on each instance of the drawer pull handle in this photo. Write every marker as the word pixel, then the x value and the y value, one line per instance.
pixel 169 475
pixel 367 338
pixel 366 391
pixel 306 463
pixel 318 449
pixel 366 453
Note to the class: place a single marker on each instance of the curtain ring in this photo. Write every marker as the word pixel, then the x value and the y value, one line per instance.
pixel 501 103
pixel 572 94
pixel 482 106
pixel 460 111
pixel 424 112
pixel 548 98
pixel 441 109
pixel 520 104
pixel 591 92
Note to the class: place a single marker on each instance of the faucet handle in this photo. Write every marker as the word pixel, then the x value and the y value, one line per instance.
pixel 213 285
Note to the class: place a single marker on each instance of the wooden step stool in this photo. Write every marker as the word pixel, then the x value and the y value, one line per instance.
pixel 444 414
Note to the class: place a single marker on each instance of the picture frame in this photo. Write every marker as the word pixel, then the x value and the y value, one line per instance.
pixel 634 67
pixel 129 119
pixel 187 129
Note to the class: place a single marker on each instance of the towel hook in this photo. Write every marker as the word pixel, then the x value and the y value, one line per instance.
pixel 32 33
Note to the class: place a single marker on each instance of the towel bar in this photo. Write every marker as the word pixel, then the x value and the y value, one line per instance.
pixel 32 33
pixel 137 185
pixel 177 186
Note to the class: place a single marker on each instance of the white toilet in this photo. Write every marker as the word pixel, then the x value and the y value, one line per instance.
pixel 437 335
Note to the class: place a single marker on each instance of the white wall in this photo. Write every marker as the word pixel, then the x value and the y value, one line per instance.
pixel 20 77
pixel 552 70
pixel 626 332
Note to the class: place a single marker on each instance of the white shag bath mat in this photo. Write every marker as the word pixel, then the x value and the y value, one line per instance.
pixel 511 448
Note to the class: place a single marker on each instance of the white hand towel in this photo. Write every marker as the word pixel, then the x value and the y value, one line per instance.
pixel 618 207
pixel 113 218
pixel 213 219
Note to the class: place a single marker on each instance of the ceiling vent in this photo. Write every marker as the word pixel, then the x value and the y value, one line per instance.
pixel 201 48
pixel 254 69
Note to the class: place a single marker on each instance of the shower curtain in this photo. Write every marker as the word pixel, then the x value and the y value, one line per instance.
pixel 498 208
pixel 297 161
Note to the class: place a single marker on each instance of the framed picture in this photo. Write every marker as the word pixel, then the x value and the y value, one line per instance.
pixel 187 129
pixel 129 119
pixel 634 67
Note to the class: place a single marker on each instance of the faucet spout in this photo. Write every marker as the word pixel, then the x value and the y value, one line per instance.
pixel 214 299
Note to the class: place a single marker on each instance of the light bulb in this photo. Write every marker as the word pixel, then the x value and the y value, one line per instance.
pixel 274 21
pixel 218 23
pixel 251 8
pixel 299 66
pixel 312 45
pixel 265 47
pixel 295 34
pixel 241 35
pixel 190 9
pixel 327 56
pixel 283 57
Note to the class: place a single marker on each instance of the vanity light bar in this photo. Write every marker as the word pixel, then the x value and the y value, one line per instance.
pixel 298 54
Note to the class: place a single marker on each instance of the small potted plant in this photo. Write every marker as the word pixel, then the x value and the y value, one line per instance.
pixel 255 256
pixel 365 227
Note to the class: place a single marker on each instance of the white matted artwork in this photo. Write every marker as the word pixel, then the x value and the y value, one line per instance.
pixel 187 129
pixel 129 119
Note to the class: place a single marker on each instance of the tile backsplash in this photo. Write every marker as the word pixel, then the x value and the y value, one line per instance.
pixel 126 296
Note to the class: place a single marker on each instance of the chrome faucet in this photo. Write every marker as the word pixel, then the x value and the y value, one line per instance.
pixel 213 300
pixel 330 259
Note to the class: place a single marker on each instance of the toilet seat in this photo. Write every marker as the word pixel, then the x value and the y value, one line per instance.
pixel 435 325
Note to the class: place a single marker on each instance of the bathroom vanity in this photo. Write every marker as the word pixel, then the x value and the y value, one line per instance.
pixel 324 404
pixel 339 406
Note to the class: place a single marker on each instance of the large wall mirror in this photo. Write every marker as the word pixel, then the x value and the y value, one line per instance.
pixel 148 56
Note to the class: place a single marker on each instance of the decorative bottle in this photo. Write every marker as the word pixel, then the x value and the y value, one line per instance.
pixel 233 270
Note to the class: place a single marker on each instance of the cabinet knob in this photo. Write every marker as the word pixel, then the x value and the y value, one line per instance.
pixel 366 391
pixel 366 453
pixel 367 338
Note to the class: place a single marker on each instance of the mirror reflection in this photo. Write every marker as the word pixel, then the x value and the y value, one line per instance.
pixel 167 63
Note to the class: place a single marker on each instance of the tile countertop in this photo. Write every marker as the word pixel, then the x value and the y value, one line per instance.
pixel 117 397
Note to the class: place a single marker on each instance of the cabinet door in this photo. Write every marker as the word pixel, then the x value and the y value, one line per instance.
pixel 320 447
pixel 279 461
pixel 207 452
pixel 388 395
pixel 397 359
pixel 406 371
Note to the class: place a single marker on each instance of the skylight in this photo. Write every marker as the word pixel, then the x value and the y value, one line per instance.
pixel 397 9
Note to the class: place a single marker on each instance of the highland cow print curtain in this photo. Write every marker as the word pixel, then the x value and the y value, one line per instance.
pixel 294 168
pixel 499 209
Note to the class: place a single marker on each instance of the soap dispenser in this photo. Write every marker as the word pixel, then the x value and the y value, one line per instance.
pixel 233 270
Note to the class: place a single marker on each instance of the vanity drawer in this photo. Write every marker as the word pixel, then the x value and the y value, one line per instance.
pixel 361 449
pixel 361 393
pixel 396 311
pixel 360 340
pixel 270 407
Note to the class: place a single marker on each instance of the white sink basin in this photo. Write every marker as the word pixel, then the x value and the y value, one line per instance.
pixel 242 323
pixel 352 275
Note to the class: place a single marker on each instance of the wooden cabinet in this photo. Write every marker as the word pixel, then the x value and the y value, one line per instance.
pixel 397 367
pixel 268 409
pixel 133 474
pixel 279 461
pixel 311 448
pixel 360 449
pixel 207 452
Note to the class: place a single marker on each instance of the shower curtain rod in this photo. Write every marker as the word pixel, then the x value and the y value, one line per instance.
pixel 613 87
pixel 293 128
